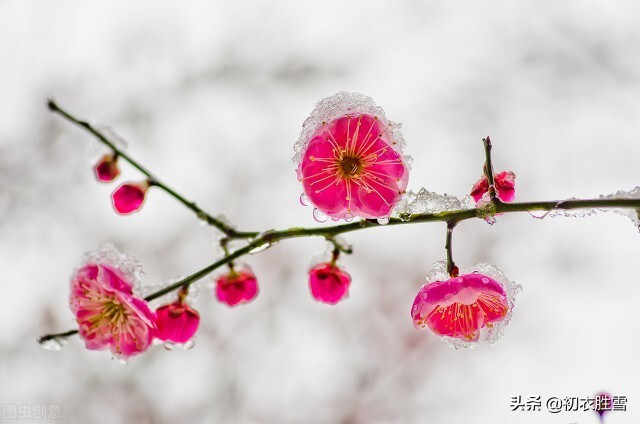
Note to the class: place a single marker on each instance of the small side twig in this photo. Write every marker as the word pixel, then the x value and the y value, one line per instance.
pixel 488 170
pixel 452 269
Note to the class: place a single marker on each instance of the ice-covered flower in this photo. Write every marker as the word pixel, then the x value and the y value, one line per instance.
pixel 329 283
pixel 350 158
pixel 505 184
pixel 474 306
pixel 129 197
pixel 177 322
pixel 107 312
pixel 107 168
pixel 238 286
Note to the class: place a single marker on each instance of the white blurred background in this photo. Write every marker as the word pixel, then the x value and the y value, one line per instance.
pixel 211 97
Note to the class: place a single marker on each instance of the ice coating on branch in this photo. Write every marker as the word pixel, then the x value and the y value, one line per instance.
pixel 571 213
pixel 473 307
pixel 350 161
pixel 425 201
pixel 632 214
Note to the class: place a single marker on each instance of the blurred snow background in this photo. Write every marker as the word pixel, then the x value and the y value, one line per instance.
pixel 211 97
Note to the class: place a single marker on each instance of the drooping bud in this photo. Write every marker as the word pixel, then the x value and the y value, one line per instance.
pixel 129 197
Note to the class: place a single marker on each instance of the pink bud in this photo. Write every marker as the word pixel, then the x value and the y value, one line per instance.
pixel 328 283
pixel 505 184
pixel 238 286
pixel 177 322
pixel 129 197
pixel 107 169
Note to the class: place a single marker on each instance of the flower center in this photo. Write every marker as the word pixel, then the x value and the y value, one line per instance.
pixel 114 312
pixel 350 166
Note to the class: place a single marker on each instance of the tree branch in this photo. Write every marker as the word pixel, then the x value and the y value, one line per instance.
pixel 228 230
pixel 268 238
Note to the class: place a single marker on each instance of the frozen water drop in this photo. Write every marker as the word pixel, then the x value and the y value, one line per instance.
pixel 319 216
pixel 539 214
pixel 383 220
pixel 490 220
pixel 304 200
pixel 169 345
pixel 189 344
pixel 259 248
pixel 54 344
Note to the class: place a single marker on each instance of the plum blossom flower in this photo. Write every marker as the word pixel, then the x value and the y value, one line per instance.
pixel 129 197
pixel 238 286
pixel 107 168
pixel 107 312
pixel 350 160
pixel 474 306
pixel 505 183
pixel 329 283
pixel 177 321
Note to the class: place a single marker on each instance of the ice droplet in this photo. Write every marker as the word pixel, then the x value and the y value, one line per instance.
pixel 383 220
pixel 304 200
pixel 319 216
pixel 348 217
pixel 189 344
pixel 259 248
pixel 264 246
pixel 539 214
pixel 490 219
pixel 54 344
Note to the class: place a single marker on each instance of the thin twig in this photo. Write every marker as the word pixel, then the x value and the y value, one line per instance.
pixel 488 169
pixel 452 269
pixel 228 230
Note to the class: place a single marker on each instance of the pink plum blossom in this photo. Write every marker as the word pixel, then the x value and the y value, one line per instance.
pixel 108 314
pixel 350 164
pixel 129 197
pixel 107 168
pixel 236 287
pixel 505 183
pixel 462 307
pixel 329 283
pixel 177 321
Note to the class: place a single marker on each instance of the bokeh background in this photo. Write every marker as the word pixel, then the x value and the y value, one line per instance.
pixel 211 97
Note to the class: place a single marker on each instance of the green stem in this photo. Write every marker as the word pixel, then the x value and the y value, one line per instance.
pixel 450 217
pixel 229 231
